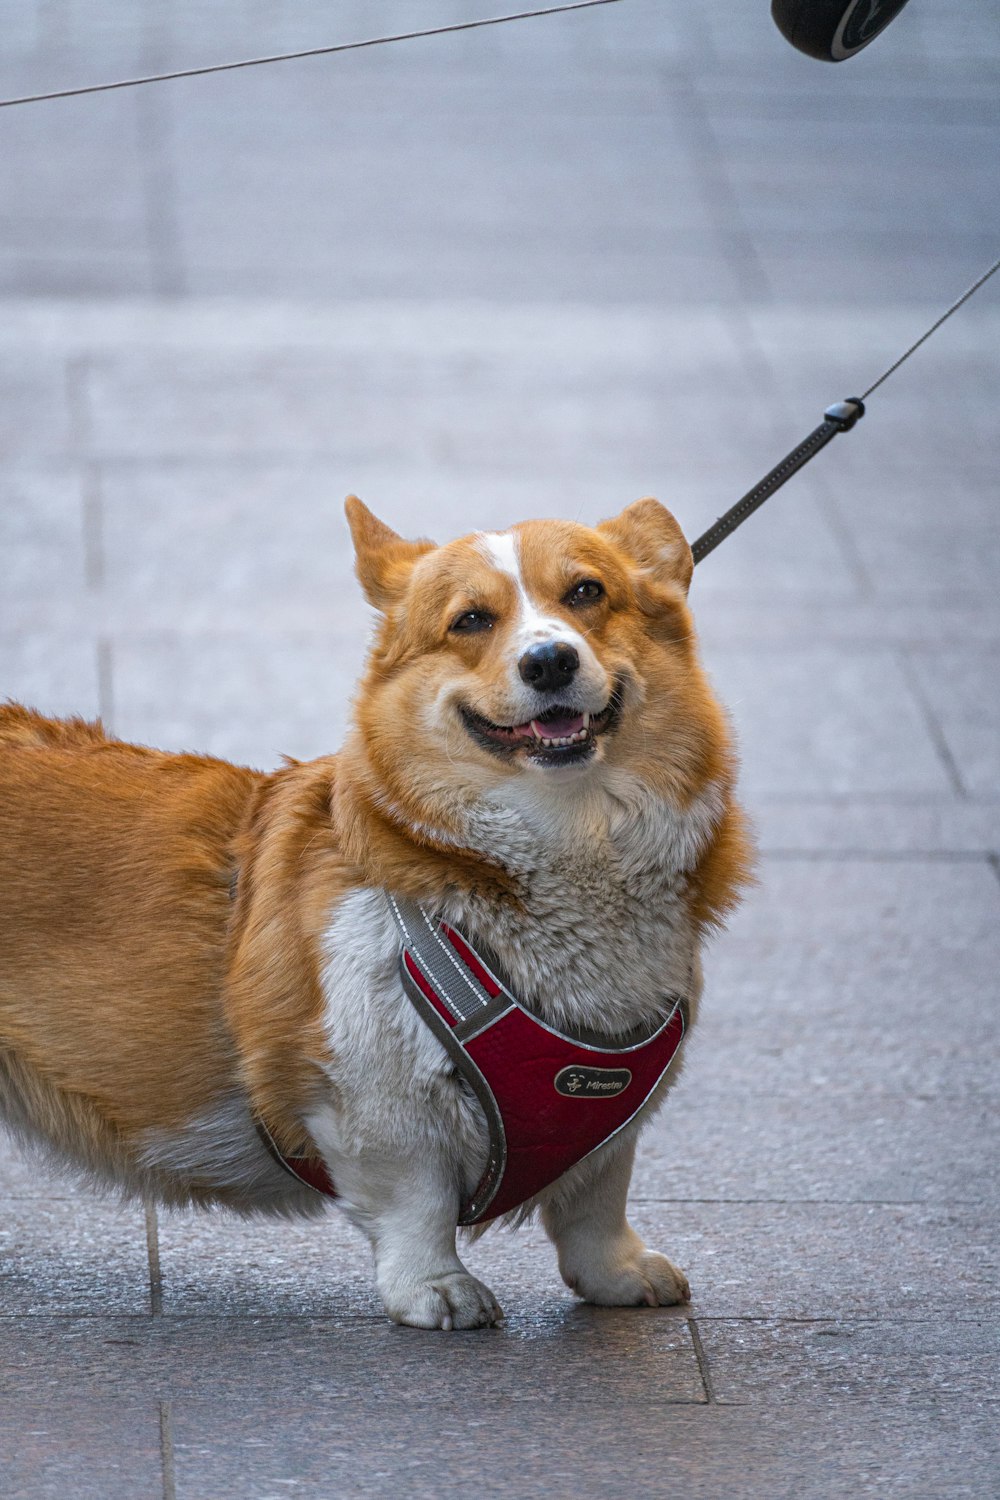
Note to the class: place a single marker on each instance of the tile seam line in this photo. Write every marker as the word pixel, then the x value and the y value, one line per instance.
pixel 93 528
pixel 701 1356
pixel 892 1319
pixel 734 241
pixel 153 1260
pixel 928 1203
pixel 851 551
pixel 105 682
pixel 167 1450
pixel 376 1322
pixel 932 721
pixel 984 854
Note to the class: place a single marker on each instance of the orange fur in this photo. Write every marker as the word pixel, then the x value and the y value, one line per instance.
pixel 135 991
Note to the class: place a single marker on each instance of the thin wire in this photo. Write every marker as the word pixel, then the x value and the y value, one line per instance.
pixel 256 62
pixel 933 328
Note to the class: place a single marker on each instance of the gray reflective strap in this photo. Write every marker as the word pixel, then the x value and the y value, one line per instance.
pixel 456 985
pixel 462 993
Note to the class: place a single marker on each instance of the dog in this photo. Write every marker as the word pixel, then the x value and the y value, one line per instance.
pixel 201 998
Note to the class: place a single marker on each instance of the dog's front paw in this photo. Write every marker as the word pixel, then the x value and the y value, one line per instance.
pixel 644 1278
pixel 453 1300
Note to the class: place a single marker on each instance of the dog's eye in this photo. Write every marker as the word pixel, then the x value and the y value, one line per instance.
pixel 471 621
pixel 585 592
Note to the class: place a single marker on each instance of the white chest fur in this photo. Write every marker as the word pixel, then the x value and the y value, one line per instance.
pixel 603 941
pixel 604 936
pixel 394 1090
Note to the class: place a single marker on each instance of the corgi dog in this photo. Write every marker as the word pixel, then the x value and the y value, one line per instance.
pixel 200 981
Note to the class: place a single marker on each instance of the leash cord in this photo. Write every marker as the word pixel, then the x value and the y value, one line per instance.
pixel 933 328
pixel 840 417
pixel 256 62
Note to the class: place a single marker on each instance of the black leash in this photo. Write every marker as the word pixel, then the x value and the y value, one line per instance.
pixel 840 417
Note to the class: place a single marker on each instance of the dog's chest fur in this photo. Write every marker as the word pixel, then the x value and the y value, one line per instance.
pixel 604 934
pixel 601 942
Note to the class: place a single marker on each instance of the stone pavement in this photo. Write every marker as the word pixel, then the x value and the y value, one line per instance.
pixel 542 269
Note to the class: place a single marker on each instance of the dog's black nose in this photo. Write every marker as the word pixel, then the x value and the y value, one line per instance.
pixel 550 666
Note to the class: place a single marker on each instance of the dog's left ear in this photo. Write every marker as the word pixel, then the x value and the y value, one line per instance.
pixel 384 560
pixel 652 538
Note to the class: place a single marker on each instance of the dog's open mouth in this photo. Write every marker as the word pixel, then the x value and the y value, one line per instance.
pixel 559 736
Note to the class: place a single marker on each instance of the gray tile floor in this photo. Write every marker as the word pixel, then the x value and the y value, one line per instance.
pixel 540 270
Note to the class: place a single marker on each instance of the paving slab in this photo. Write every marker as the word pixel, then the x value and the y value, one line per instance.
pixel 90 1450
pixel 250 698
pixel 786 1260
pixel 932 538
pixel 812 720
pixel 956 687
pixel 651 1448
pixel 969 621
pixel 836 827
pixel 843 923
pixel 35 415
pixel 578 1355
pixel 54 671
pixel 42 537
pixel 833 1261
pixel 217 1265
pixel 778 1045
pixel 423 408
pixel 792 548
pixel 844 975
pixel 933 1364
pixel 229 537
pixel 72 1256
pixel 758 1260
pixel 530 141
pixel 577 339
pixel 821 1142
pixel 275 536
pixel 76 210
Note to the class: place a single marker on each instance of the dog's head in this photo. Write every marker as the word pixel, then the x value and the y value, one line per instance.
pixel 546 650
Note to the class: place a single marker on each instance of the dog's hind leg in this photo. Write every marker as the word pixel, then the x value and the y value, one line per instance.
pixel 600 1255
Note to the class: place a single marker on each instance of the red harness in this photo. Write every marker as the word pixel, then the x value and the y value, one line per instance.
pixel 549 1099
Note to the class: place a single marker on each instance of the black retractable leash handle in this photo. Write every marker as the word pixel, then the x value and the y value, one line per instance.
pixel 833 30
pixel 840 417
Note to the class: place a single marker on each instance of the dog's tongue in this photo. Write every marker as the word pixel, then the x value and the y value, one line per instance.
pixel 557 729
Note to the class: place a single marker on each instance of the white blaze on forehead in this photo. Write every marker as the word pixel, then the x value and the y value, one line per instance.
pixel 501 551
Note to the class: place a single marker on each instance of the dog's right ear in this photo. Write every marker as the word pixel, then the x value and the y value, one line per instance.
pixel 384 560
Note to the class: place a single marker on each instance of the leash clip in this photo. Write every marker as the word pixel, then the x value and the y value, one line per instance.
pixel 845 413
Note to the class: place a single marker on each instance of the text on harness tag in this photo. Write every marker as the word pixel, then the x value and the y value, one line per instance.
pixel 578 1082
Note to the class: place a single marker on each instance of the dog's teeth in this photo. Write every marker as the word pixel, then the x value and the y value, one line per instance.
pixel 558 742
